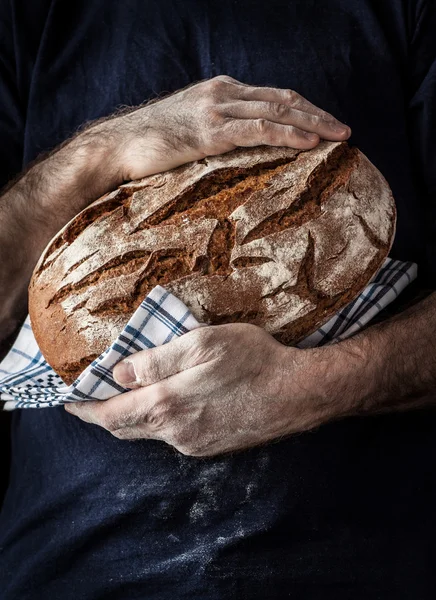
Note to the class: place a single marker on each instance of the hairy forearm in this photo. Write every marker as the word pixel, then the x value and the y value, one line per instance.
pixel 37 205
pixel 58 185
pixel 389 367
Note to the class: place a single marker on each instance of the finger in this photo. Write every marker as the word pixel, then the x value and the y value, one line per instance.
pixel 258 132
pixel 288 97
pixel 283 114
pixel 160 411
pixel 121 412
pixel 156 364
pixel 88 411
pixel 141 413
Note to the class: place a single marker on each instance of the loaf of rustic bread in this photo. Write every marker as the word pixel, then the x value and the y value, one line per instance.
pixel 272 236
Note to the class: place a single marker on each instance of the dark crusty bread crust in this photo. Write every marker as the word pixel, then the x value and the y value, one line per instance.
pixel 272 236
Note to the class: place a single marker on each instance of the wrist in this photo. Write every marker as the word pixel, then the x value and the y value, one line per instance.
pixel 389 366
pixel 393 362
pixel 153 143
pixel 331 376
pixel 77 174
pixel 360 372
pixel 36 207
pixel 313 387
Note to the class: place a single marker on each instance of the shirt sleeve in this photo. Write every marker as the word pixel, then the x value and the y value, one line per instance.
pixel 422 121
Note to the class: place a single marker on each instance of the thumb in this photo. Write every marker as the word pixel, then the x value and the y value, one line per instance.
pixel 155 364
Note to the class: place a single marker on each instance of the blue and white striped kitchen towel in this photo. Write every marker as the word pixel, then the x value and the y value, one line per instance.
pixel 27 381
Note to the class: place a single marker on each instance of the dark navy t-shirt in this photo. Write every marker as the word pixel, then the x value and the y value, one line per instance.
pixel 344 512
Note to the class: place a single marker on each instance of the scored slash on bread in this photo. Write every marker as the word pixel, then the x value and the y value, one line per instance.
pixel 277 237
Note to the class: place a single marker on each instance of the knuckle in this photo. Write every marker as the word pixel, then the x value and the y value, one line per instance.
pixel 325 116
pixel 156 418
pixel 315 120
pixel 226 78
pixel 215 87
pixel 161 411
pixel 292 97
pixel 278 110
pixel 214 116
pixel 262 126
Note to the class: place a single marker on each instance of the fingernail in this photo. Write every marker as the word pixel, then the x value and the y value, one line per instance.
pixel 312 137
pixel 124 372
pixel 71 407
pixel 338 128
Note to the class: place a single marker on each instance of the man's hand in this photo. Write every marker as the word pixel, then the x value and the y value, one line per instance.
pixel 208 118
pixel 213 390
pixel 229 387
pixel 214 117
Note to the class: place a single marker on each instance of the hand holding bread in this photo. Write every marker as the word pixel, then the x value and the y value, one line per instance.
pixel 214 117
pixel 216 390
pixel 206 119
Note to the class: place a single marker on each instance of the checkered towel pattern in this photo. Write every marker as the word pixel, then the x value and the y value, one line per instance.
pixel 27 381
